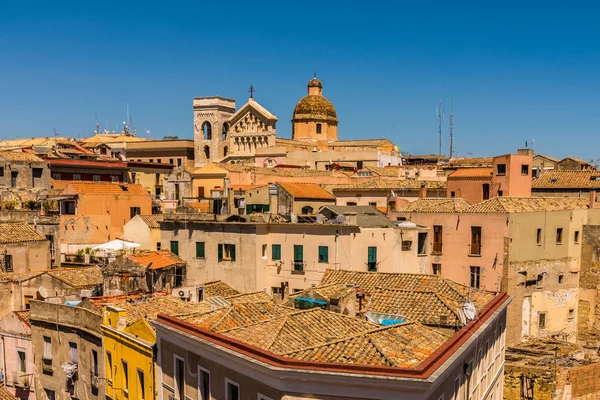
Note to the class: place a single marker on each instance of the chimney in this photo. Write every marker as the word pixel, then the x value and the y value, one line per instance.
pixel 592 198
pixel 350 218
pixel 525 152
pixel 423 191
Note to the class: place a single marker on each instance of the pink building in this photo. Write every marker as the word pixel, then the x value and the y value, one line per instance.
pixel 16 354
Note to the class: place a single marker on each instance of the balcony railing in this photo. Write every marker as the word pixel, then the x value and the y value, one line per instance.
pixel 298 266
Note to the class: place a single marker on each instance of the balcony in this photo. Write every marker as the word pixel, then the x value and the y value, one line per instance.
pixel 18 379
pixel 298 266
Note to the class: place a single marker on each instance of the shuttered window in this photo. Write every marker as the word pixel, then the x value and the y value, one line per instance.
pixel 276 252
pixel 175 247
pixel 372 259
pixel 323 254
pixel 200 250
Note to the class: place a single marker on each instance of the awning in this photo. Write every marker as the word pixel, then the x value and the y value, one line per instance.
pixel 115 245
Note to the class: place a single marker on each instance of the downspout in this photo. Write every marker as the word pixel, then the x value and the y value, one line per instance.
pixel 336 249
pixel 4 361
pixel 21 294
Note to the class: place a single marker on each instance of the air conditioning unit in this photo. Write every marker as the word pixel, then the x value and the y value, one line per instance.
pixel 183 293
pixel 86 293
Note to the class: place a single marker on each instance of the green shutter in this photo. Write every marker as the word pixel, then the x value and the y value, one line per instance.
pixel 276 252
pixel 175 247
pixel 220 252
pixel 233 252
pixel 323 254
pixel 372 254
pixel 199 249
pixel 248 208
pixel 266 208
pixel 298 252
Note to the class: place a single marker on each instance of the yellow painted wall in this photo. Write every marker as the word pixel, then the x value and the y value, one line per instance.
pixel 134 346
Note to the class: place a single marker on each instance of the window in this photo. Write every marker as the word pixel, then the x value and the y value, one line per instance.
pixel 13 178
pixel 76 177
pixel 559 233
pixel 264 251
pixel 576 237
pixel 501 169
pixel 307 210
pixel 114 179
pixel 475 277
pixel 2 171
pixel 224 130
pixel 207 152
pixel 158 160
pixel 298 257
pixel 373 203
pixel 476 240
pixel 323 254
pixel 372 259
pixel 133 175
pixel 50 394
pixel 422 245
pixel 8 263
pixel 203 384
pixel 141 385
pixel 47 348
pixel 350 203
pixel 179 162
pixel 133 211
pixel 276 290
pixel 22 363
pixel 571 313
pixel 319 128
pixel 109 367
pixel 27 301
pixel 538 236
pixel 207 130
pixel 200 250
pixel 73 352
pixel 96 178
pixel 524 169
pixel 125 377
pixel 94 362
pixel 175 247
pixel 452 194
pixel 560 278
pixel 456 394
pixel 55 176
pixel 540 281
pixel 437 269
pixel 179 378
pixel 437 239
pixel 171 161
pixel 276 252
pixel 158 246
pixel 542 320
pixel 226 252
pixel 232 390
pixel 486 191
pixel 500 193
pixel 406 245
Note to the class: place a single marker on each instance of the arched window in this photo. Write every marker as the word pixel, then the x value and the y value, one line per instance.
pixel 307 210
pixel 225 151
pixel 207 152
pixel 319 128
pixel 224 130
pixel 207 130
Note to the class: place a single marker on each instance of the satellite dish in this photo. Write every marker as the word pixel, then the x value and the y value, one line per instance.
pixel 43 292
pixel 469 311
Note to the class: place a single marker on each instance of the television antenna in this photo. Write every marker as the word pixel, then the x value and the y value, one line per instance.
pixel 451 129
pixel 440 117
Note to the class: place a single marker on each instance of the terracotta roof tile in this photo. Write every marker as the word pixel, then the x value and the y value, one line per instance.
pixel 80 277
pixel 472 162
pixel 391 184
pixel 19 156
pixel 528 204
pixel 555 179
pixel 473 172
pixel 149 307
pixel 18 232
pixel 23 316
pixel 578 160
pixel 201 207
pixel 253 297
pixel 157 259
pixel 308 191
pixel 18 276
pixel 82 187
pixel 152 220
pixel 6 395
pixel 436 205
pixel 333 291
pixel 218 288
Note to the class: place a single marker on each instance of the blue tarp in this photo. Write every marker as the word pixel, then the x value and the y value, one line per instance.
pixel 306 303
pixel 72 303
pixel 388 322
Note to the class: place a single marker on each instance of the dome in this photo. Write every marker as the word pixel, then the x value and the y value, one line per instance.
pixel 315 107
pixel 314 82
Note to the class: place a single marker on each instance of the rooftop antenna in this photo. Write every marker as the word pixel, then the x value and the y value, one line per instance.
pixel 451 131
pixel 148 133
pixel 97 131
pixel 440 117
pixel 54 132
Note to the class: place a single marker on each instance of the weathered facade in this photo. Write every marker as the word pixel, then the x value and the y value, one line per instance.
pixel 16 355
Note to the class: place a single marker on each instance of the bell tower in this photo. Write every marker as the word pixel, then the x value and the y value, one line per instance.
pixel 211 129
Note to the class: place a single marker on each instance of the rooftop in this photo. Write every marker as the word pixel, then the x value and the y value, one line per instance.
pixel 471 162
pixel 309 191
pixel 24 317
pixel 219 288
pixel 81 187
pixel 80 277
pixel 156 259
pixel 472 172
pixel 152 220
pixel 436 205
pixel 528 204
pixel 19 156
pixel 366 216
pixel 389 184
pixel 555 179
pixel 19 232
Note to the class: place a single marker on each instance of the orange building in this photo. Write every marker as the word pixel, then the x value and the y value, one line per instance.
pixel 92 213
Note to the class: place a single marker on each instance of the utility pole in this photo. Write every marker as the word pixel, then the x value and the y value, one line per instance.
pixel 440 117
pixel 451 131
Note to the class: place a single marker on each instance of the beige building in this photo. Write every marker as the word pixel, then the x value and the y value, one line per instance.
pixel 252 255
pixel 22 249
pixel 144 230
pixel 175 152
pixel 301 198
pixel 151 176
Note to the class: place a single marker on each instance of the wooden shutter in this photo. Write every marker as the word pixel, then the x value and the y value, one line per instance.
pixel 372 255
pixel 199 249
pixel 232 252
pixel 298 252
pixel 220 250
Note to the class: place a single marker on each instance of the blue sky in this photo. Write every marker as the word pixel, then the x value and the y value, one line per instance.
pixel 515 71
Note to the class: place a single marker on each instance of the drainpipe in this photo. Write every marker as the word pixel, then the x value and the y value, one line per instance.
pixel 21 294
pixel 4 361
pixel 336 248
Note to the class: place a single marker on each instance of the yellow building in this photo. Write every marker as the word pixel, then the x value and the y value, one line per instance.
pixel 314 117
pixel 150 175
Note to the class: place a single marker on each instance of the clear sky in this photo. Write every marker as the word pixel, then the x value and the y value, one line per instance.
pixel 516 70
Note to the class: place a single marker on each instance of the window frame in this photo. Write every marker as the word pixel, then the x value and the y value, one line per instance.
pixel 125 377
pixel 140 385
pixel 226 253
pixel 201 254
pixel 538 236
pixel 542 317
pixel 372 255
pixel 438 233
pixel 476 242
pixel 559 235
pixel 439 269
pixel 174 244
pixel 234 383
pixel 525 169
pixel 498 172
pixel 576 237
pixel 109 362
pixel 175 386
pixel 323 251
pixel 406 245
pixel 276 253
pixel 200 394
pixel 472 270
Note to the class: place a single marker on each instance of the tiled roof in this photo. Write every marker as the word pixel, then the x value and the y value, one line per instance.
pixel 237 315
pixel 405 345
pixel 218 288
pixel 150 307
pixel 6 395
pixel 473 162
pixel 537 156
pixel 82 187
pixel 436 205
pixel 308 191
pixel 300 330
pixel 100 138
pixel 392 184
pixel 156 259
pixel 86 163
pixel 361 142
pixel 528 204
pixel 425 307
pixel 389 172
pixel 80 277
pixel 18 232
pixel 370 281
pixel 201 207
pixel 578 160
pixel 152 220
pixel 366 216
pixel 23 316
pixel 472 172
pixel 555 179
pixel 19 156
pixel 333 291
pixel 18 276
pixel 253 297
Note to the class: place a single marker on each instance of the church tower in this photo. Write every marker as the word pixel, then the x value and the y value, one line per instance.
pixel 211 128
pixel 314 117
